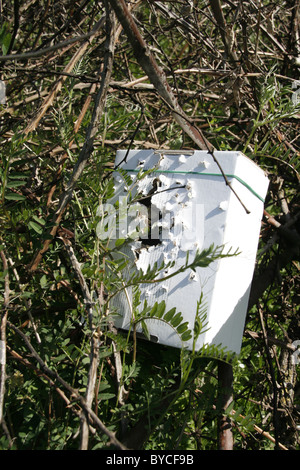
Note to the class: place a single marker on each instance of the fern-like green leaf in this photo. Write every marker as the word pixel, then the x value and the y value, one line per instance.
pixel 161 309
pixel 182 328
pixel 169 315
pixel 176 320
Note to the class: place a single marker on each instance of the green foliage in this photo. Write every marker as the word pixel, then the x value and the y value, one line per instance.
pixel 246 105
pixel 5 37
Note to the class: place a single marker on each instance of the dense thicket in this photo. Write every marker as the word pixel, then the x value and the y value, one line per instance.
pixel 77 89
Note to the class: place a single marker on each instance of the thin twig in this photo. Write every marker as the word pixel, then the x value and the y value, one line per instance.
pixel 86 150
pixel 68 387
pixel 27 302
pixel 225 387
pixel 57 87
pixel 273 378
pixel 226 34
pixel 94 346
pixel 15 355
pixel 61 45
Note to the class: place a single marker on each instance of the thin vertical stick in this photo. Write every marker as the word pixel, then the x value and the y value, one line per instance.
pixel 94 345
pixel 225 379
pixel 3 335
pixel 273 379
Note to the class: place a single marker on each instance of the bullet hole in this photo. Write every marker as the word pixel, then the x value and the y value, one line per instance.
pixel 151 239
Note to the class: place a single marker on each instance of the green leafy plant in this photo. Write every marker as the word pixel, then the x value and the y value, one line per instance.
pixel 75 93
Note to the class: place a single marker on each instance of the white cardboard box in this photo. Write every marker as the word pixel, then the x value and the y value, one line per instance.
pixel 193 207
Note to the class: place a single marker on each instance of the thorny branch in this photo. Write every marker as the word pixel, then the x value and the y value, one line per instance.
pixel 155 73
pixel 159 80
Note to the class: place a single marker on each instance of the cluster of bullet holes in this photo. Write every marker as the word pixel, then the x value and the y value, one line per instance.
pixel 146 200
